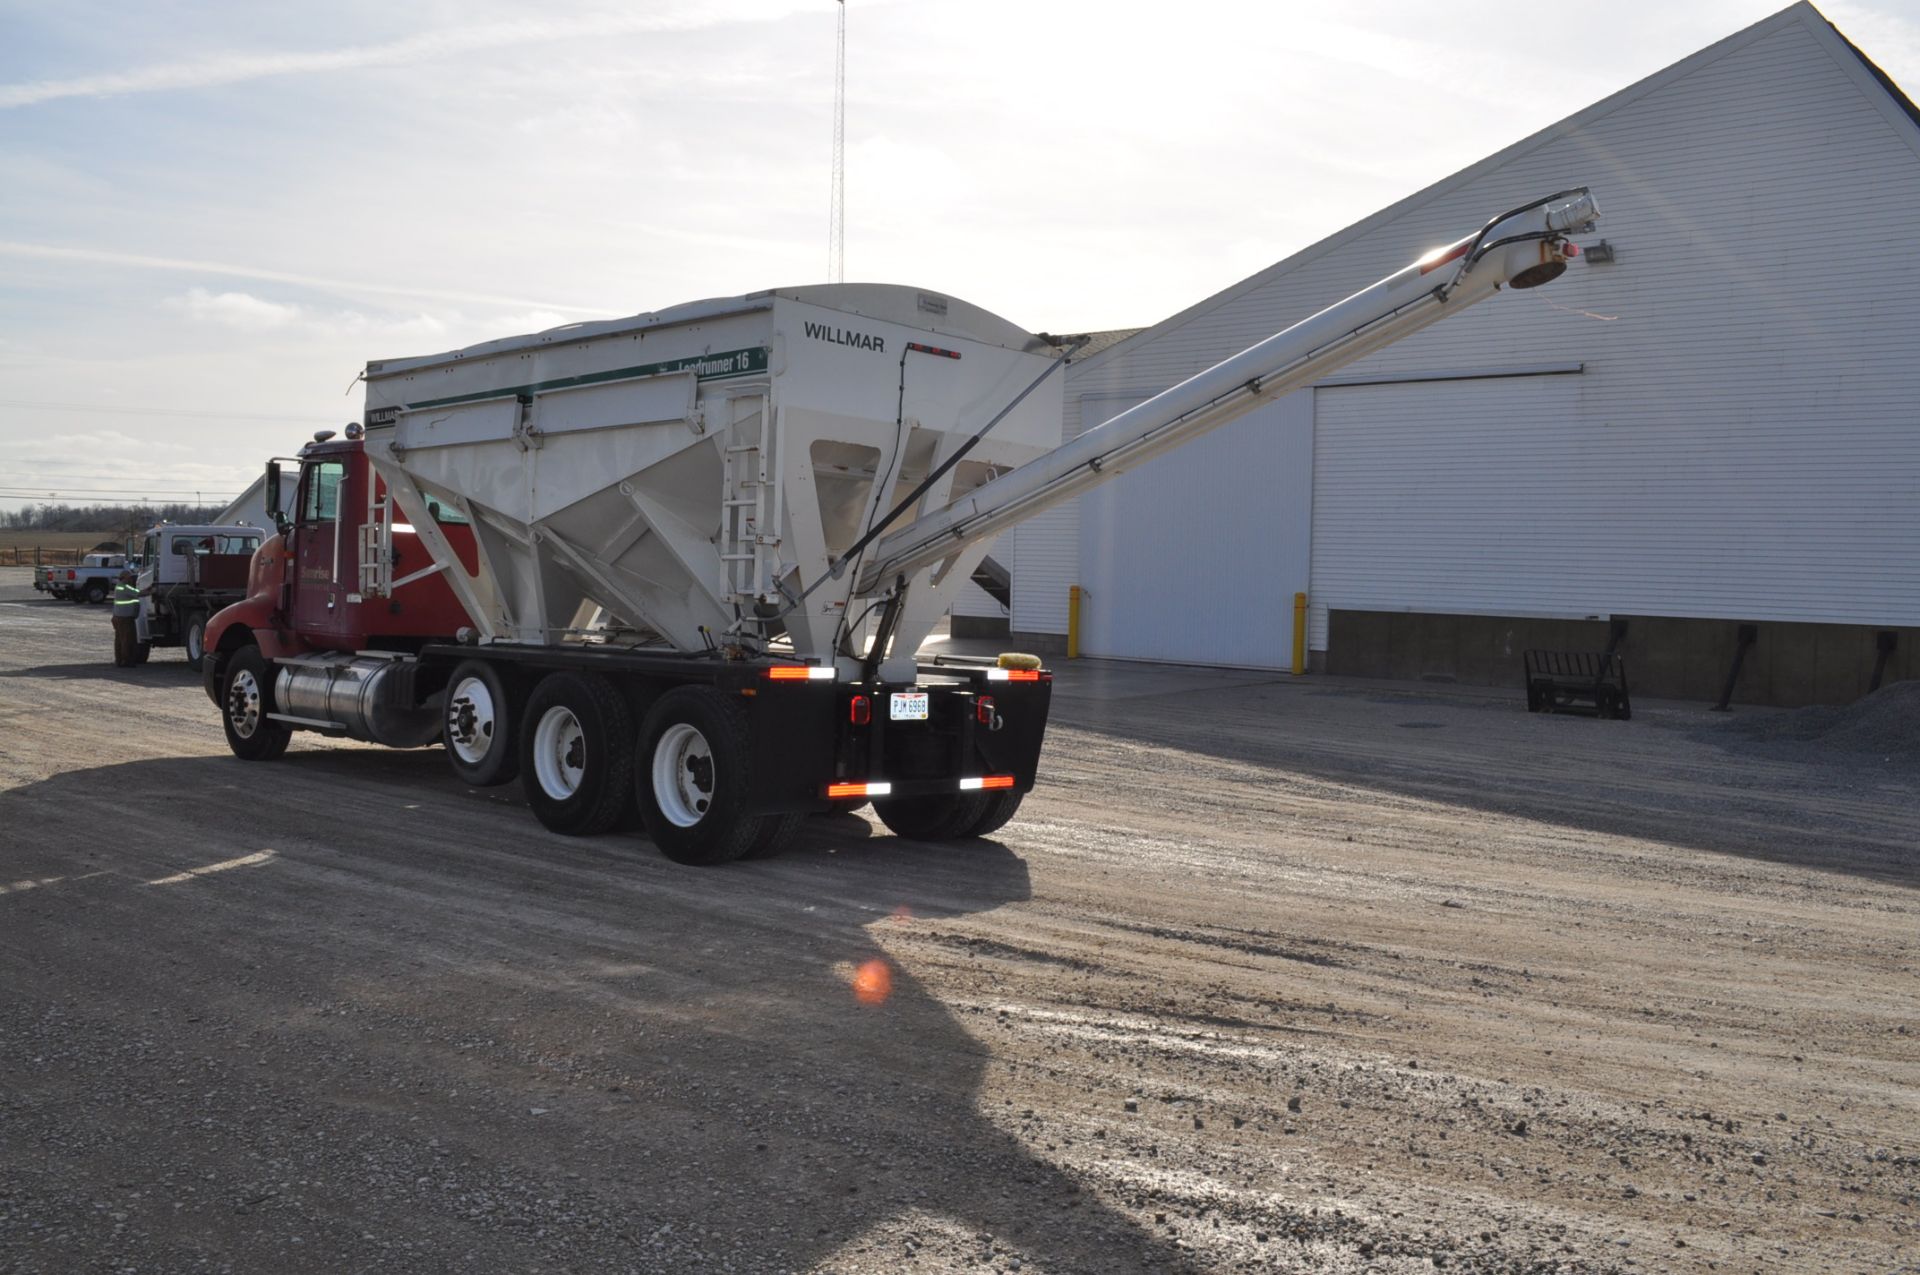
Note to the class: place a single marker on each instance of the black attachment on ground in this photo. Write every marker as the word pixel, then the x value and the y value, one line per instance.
pixel 1749 634
pixel 1592 682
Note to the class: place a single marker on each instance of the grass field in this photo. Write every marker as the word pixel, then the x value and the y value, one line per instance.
pixel 16 547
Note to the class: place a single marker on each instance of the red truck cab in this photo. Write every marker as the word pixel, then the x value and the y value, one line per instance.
pixel 342 574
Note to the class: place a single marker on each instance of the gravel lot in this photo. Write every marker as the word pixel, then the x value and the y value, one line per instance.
pixel 1270 975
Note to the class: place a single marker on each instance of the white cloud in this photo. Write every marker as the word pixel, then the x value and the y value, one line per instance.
pixel 245 312
pixel 109 257
pixel 235 309
pixel 232 68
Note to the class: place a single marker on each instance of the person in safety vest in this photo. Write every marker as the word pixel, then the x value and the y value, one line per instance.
pixel 126 617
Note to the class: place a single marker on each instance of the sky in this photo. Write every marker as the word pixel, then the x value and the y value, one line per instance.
pixel 214 214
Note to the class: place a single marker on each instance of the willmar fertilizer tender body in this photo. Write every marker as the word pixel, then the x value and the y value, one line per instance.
pixel 698 550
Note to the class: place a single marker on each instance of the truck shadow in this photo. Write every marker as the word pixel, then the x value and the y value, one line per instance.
pixel 595 1059
pixel 157 671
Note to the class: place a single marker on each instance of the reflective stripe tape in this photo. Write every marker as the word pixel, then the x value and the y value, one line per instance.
pixel 802 673
pixel 881 789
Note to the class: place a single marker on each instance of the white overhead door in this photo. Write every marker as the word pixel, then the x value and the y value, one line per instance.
pixel 1195 558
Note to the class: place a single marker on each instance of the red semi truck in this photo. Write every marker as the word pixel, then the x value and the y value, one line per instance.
pixel 333 604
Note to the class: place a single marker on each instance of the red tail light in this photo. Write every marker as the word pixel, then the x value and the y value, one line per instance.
pixel 860 710
pixel 71 576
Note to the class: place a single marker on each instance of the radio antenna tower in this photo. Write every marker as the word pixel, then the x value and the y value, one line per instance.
pixel 837 211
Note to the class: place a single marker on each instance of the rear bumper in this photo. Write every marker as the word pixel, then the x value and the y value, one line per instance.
pixel 815 742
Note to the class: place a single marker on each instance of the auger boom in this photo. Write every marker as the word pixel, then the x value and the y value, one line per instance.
pixel 1522 249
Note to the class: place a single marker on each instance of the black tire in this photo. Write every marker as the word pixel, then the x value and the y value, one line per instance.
pixel 75 596
pixel 478 725
pixel 246 697
pixel 939 818
pixel 193 639
pixel 576 753
pixel 694 771
pixel 96 592
pixel 776 834
pixel 1001 806
pixel 846 805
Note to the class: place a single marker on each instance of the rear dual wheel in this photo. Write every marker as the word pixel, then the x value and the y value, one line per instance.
pixel 194 640
pixel 948 817
pixel 694 775
pixel 583 774
pixel 576 752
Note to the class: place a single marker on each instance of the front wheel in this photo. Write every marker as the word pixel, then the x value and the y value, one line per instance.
pixel 96 592
pixel 195 640
pixel 576 751
pixel 941 818
pixel 246 697
pixel 693 776
pixel 482 713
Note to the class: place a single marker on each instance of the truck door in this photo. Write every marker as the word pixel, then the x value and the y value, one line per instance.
pixel 319 557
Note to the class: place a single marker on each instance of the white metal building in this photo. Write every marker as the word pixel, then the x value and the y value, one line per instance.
pixel 1721 424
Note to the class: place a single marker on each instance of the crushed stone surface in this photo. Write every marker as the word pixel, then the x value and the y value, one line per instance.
pixel 1261 979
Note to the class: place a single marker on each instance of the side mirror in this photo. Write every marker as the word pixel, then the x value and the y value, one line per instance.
pixel 272 494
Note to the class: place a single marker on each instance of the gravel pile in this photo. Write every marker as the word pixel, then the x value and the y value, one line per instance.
pixel 1886 723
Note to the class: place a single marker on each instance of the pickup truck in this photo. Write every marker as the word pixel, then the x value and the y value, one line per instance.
pixel 190 573
pixel 90 581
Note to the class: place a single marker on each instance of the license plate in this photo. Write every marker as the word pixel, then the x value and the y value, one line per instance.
pixel 909 706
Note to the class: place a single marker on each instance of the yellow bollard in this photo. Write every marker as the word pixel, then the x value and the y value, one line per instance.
pixel 1073 623
pixel 1299 634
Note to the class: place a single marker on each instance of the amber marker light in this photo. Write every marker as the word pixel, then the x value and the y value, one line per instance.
pixel 881 789
pixel 799 673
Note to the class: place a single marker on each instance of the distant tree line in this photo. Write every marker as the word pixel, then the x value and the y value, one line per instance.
pixel 122 520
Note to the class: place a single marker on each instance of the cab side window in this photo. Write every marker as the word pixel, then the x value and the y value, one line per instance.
pixel 320 498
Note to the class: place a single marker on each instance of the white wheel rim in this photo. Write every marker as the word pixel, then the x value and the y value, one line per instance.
pixel 193 642
pixel 683 778
pixel 470 721
pixel 559 753
pixel 243 704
